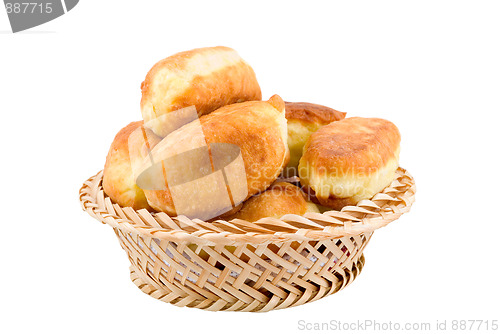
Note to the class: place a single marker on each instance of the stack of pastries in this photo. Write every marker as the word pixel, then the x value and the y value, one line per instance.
pixel 209 147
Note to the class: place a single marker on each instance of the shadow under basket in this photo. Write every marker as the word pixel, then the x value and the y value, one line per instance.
pixel 247 266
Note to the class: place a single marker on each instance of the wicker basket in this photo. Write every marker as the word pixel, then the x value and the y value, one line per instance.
pixel 243 266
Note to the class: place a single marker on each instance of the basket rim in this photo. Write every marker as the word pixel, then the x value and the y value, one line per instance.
pixel 367 216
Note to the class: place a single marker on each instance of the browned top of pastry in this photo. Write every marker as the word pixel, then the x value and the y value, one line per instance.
pixel 312 113
pixel 280 199
pixel 351 146
pixel 175 62
pixel 207 78
pixel 121 139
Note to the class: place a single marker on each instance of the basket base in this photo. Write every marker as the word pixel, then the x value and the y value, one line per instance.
pixel 181 298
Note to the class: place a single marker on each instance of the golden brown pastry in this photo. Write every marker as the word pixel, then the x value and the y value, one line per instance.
pixel 118 178
pixel 239 150
pixel 350 160
pixel 303 120
pixel 207 78
pixel 280 199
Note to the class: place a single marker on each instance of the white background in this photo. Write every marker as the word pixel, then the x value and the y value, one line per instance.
pixel 431 67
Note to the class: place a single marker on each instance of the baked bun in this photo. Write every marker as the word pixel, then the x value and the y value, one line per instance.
pixel 238 149
pixel 280 199
pixel 303 120
pixel 350 160
pixel 118 178
pixel 206 78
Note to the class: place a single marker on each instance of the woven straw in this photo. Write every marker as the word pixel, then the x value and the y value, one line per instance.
pixel 244 266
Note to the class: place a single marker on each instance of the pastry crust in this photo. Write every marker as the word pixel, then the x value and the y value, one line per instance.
pixel 257 128
pixel 280 199
pixel 312 113
pixel 207 78
pixel 350 160
pixel 118 177
pixel 303 120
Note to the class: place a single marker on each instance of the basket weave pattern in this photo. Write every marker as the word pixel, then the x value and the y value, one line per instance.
pixel 247 266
